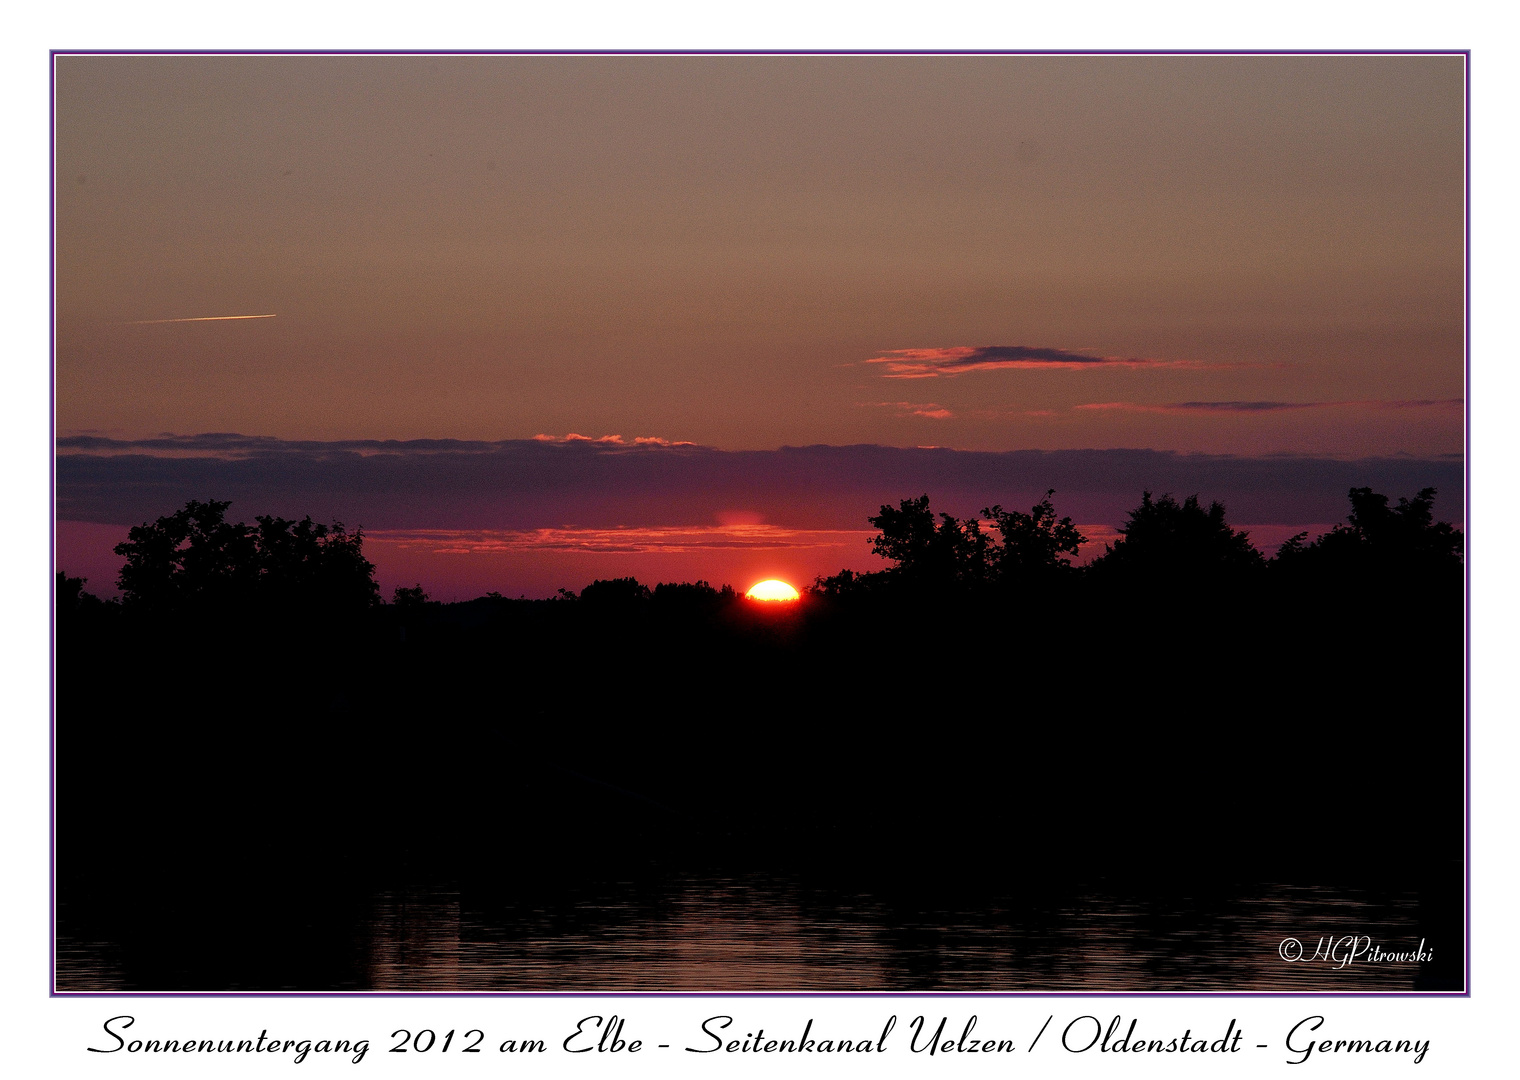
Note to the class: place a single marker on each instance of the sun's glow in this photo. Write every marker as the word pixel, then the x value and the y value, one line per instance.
pixel 772 589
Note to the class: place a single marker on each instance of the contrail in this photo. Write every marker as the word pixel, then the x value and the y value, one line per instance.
pixel 203 318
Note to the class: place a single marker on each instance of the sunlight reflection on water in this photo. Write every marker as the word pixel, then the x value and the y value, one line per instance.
pixel 741 934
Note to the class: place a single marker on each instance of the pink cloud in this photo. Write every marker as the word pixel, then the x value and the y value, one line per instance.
pixel 630 540
pixel 928 409
pixel 611 440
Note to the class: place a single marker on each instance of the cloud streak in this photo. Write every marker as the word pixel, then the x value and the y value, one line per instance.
pixel 201 318
pixel 928 409
pixel 668 540
pixel 1267 406
pixel 613 440
pixel 960 359
pixel 231 446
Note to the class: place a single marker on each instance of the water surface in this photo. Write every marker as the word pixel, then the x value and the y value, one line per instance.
pixel 712 931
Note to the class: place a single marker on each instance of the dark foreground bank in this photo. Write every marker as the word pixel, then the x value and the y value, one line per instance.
pixel 919 754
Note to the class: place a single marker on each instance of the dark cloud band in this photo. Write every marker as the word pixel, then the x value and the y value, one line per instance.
pixel 531 484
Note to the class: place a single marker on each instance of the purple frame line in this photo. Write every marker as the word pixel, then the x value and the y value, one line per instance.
pixel 52 589
pixel 1467 973
pixel 1467 511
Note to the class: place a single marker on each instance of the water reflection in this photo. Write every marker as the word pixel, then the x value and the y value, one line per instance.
pixel 726 933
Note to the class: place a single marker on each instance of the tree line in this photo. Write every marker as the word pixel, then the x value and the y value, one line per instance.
pixel 195 559
pixel 1162 541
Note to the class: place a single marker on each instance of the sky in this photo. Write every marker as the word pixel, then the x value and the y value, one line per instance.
pixel 485 279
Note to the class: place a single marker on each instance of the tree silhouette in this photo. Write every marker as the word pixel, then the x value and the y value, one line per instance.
pixel 73 603
pixel 928 555
pixel 409 601
pixel 1379 540
pixel 615 593
pixel 691 599
pixel 70 593
pixel 845 585
pixel 196 558
pixel 1033 544
pixel 308 561
pixel 192 556
pixel 1167 539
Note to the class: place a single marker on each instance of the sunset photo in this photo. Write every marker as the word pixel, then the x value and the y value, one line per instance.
pixel 760 522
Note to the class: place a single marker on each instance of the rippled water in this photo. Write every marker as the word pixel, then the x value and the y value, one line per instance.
pixel 713 932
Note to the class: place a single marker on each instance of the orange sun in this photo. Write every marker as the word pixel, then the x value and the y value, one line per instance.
pixel 772 589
